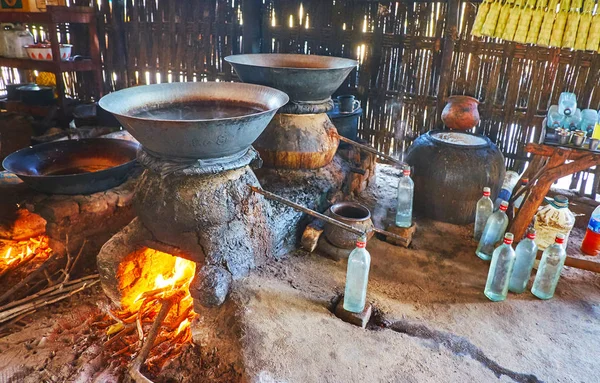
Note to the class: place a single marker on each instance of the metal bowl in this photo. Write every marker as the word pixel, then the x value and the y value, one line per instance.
pixel 74 166
pixel 201 138
pixel 577 139
pixel 302 77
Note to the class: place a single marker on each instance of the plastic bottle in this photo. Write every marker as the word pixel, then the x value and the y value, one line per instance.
pixel 572 121
pixel 589 118
pixel 404 206
pixel 554 119
pixel 591 241
pixel 357 277
pixel 525 257
pixel 553 260
pixel 501 268
pixel 519 201
pixel 567 103
pixel 484 208
pixel 551 219
pixel 493 232
pixel 510 181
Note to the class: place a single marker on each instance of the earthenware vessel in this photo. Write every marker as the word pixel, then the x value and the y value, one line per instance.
pixel 461 113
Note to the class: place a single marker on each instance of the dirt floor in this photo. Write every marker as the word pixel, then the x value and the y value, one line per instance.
pixel 432 323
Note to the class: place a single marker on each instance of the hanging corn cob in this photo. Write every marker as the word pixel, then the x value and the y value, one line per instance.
pixel 565 5
pixel 588 6
pixel 489 26
pixel 513 21
pixel 502 19
pixel 482 12
pixel 558 29
pixel 547 24
pixel 523 27
pixel 570 34
pixel 593 39
pixel 582 31
pixel 534 26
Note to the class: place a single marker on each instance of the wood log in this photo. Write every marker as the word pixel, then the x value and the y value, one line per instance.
pixel 311 235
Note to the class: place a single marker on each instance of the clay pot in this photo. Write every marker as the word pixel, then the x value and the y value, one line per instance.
pixel 461 112
pixel 353 214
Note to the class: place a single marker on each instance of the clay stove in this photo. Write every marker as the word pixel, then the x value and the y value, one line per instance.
pixel 196 215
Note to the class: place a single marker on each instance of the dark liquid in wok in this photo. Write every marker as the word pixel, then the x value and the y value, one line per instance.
pixel 76 170
pixel 198 111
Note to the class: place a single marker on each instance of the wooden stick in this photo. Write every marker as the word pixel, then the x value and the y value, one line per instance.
pixel 577 263
pixel 134 370
pixel 369 149
pixel 306 210
pixel 29 278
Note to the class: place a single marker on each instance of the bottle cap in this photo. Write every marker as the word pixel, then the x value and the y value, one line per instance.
pixel 508 238
pixel 406 171
pixel 524 181
pixel 504 206
pixel 361 242
pixel 560 238
pixel 486 192
pixel 531 233
pixel 560 201
pixel 567 111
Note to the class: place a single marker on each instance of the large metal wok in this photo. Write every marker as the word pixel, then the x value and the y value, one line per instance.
pixel 302 77
pixel 189 137
pixel 74 166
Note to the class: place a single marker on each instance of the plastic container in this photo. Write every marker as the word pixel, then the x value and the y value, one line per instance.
pixel 591 241
pixel 567 103
pixel 552 219
pixel 6 32
pixel 20 38
pixel 43 52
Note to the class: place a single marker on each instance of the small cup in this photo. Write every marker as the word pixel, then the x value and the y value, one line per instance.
pixel 348 104
pixel 594 143
pixel 578 139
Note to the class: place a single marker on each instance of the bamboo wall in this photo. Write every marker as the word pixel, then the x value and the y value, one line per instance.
pixel 409 52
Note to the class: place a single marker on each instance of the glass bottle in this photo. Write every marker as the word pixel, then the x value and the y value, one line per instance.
pixel 525 257
pixel 485 207
pixel 591 241
pixel 493 232
pixel 357 277
pixel 549 270
pixel 501 268
pixel 567 103
pixel 404 207
pixel 551 219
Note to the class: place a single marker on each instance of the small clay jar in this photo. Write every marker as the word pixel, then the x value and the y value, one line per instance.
pixel 353 214
pixel 461 113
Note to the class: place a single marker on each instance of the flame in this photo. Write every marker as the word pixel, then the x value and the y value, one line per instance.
pixel 25 249
pixel 162 277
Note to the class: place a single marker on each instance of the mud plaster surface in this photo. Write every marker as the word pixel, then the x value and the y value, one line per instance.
pixel 434 324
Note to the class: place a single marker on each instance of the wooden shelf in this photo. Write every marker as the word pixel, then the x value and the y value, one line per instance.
pixel 48 66
pixel 53 14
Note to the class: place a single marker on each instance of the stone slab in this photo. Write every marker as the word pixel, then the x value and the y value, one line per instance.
pixel 406 232
pixel 358 319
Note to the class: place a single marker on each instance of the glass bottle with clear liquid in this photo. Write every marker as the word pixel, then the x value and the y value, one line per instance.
pixel 493 232
pixel 501 268
pixel 404 207
pixel 525 252
pixel 357 277
pixel 553 260
pixel 485 208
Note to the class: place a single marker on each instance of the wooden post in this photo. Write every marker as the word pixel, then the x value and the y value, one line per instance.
pixel 450 36
pixel 252 28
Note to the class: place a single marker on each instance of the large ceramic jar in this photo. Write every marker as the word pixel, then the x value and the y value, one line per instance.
pixel 350 213
pixel 450 169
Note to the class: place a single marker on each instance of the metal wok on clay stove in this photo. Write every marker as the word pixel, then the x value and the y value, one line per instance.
pixel 195 120
pixel 74 166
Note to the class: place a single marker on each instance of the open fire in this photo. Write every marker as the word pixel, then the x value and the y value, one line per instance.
pixel 19 253
pixel 162 281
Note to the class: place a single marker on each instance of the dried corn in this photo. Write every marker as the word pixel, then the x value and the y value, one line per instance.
pixel 588 6
pixel 480 18
pixel 534 26
pixel 511 25
pixel 489 26
pixel 576 5
pixel 565 5
pixel 523 27
pixel 570 34
pixel 582 31
pixel 502 20
pixel 593 39
pixel 558 29
pixel 546 29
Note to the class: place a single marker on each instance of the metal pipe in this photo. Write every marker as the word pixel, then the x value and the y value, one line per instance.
pixel 306 210
pixel 369 149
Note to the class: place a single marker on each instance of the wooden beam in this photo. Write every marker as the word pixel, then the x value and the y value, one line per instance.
pixel 450 36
